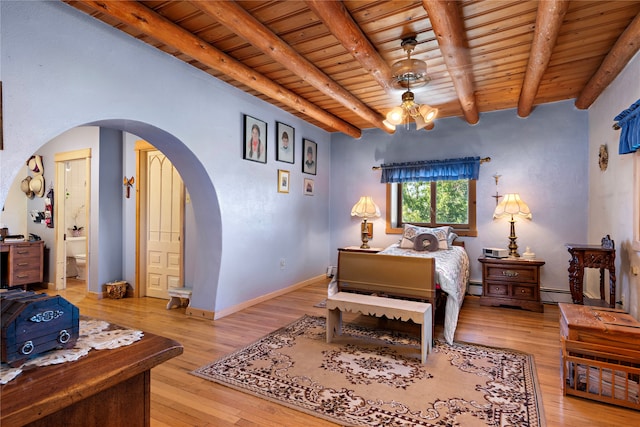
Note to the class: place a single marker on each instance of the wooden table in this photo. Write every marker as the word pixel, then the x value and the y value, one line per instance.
pixel 591 256
pixel 105 388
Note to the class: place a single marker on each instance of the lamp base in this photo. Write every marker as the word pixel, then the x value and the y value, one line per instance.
pixel 513 247
pixel 364 235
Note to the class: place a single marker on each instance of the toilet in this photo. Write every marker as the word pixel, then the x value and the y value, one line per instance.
pixel 77 257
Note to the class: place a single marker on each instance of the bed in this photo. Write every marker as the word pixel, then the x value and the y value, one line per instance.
pixel 451 278
pixel 446 283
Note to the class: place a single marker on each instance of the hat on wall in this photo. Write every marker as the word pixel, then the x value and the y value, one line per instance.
pixel 26 187
pixel 35 164
pixel 37 185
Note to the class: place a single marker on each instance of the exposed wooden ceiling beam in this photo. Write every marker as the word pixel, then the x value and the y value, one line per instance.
pixel 621 53
pixel 548 23
pixel 147 21
pixel 337 19
pixel 449 30
pixel 238 20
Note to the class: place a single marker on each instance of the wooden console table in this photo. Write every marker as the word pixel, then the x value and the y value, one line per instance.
pixel 592 256
pixel 105 388
pixel 21 263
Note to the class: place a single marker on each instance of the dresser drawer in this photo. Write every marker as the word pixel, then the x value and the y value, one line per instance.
pixel 21 252
pixel 515 274
pixel 24 275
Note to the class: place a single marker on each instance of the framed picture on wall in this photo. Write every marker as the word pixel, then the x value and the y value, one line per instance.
pixel 283 181
pixel 308 188
pixel 309 156
pixel 254 140
pixel 285 138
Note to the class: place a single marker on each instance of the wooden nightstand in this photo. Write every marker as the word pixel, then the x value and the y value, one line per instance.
pixel 511 281
pixel 359 249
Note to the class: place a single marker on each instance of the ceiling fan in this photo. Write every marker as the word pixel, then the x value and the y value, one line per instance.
pixel 408 73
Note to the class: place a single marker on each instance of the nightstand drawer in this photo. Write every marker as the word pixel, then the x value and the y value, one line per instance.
pixel 496 290
pixel 518 274
pixel 524 292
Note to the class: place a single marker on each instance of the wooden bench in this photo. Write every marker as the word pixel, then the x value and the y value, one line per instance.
pixel 405 310
pixel 177 295
pixel 402 277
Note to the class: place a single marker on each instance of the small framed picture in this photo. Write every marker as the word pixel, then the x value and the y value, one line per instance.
pixel 285 138
pixel 283 181
pixel 309 156
pixel 308 188
pixel 254 140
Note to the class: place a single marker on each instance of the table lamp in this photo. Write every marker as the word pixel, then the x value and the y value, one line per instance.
pixel 512 205
pixel 365 208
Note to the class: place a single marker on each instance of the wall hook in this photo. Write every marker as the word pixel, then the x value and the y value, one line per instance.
pixel 128 182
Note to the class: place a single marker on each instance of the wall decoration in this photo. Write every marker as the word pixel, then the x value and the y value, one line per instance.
pixel 283 181
pixel 254 139
pixel 309 156
pixel 603 157
pixel 285 138
pixel 308 187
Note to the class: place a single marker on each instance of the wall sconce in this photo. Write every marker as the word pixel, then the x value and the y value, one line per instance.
pixel 509 206
pixel 128 182
pixel 365 208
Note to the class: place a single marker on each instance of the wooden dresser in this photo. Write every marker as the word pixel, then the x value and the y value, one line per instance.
pixel 21 263
pixel 511 281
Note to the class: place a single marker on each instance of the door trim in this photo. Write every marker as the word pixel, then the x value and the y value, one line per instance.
pixel 59 212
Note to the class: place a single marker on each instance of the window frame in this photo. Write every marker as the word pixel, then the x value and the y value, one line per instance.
pixel 393 200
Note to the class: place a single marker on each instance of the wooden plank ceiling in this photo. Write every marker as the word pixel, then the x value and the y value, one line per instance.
pixel 329 62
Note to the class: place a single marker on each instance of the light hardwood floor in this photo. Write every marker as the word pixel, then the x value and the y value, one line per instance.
pixel 181 399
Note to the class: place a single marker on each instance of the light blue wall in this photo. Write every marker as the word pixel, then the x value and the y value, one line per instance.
pixel 542 157
pixel 612 193
pixel 62 69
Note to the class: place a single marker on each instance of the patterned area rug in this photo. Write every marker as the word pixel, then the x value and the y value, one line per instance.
pixel 370 377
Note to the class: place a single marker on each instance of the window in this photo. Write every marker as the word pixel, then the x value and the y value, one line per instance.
pixel 432 204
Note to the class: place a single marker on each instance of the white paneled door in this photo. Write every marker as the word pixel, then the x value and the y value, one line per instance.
pixel 164 225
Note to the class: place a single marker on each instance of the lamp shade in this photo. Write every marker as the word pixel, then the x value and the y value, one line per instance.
pixel 365 208
pixel 512 205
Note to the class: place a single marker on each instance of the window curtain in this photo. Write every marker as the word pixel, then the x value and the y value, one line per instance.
pixel 431 170
pixel 629 122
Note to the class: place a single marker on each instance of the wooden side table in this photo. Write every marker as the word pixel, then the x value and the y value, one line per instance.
pixel 592 256
pixel 512 282
pixel 359 249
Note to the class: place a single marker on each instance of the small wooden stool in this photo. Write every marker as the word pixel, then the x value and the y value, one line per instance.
pixel 177 295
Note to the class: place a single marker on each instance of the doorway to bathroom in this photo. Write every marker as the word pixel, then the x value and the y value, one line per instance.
pixel 71 217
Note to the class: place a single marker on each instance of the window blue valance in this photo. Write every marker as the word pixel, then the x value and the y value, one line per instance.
pixel 629 122
pixel 431 170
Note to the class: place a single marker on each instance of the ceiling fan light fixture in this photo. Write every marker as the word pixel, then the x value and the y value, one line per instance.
pixel 389 125
pixel 395 116
pixel 409 73
pixel 428 112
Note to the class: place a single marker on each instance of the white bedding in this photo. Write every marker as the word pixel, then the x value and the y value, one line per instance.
pixel 452 274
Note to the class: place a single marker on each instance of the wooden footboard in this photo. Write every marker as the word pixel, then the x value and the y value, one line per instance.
pixel 396 276
pixel 388 275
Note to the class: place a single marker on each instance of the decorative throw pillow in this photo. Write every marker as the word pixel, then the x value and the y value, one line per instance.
pixel 426 242
pixel 411 231
pixel 451 238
